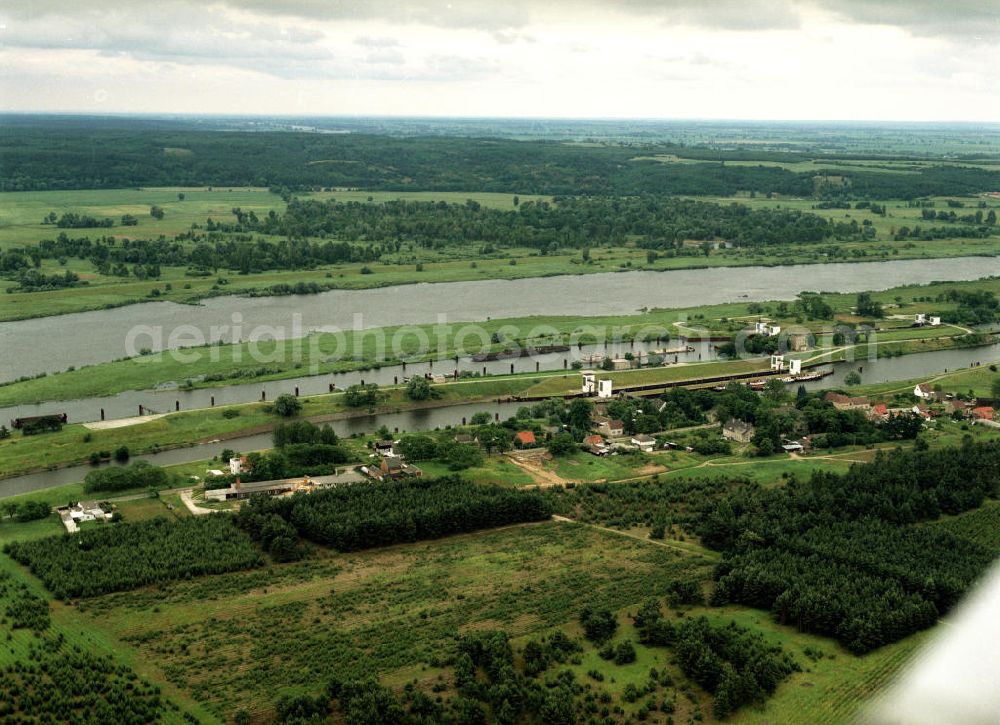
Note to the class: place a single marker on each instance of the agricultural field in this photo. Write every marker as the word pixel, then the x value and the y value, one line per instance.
pixel 392 612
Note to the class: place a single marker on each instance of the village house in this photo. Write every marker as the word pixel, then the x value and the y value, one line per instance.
pixel 924 391
pixel 846 402
pixel 645 443
pixel 88 511
pixel 983 412
pixel 957 406
pixel 879 411
pixel 383 447
pixel 792 447
pixel 595 444
pixel 525 439
pixel 737 430
pixel 393 467
pixel 612 428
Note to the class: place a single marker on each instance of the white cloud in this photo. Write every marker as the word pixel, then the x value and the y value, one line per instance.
pixel 730 58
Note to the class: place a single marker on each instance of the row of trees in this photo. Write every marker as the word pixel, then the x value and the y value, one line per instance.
pixel 839 555
pixel 349 518
pixel 118 558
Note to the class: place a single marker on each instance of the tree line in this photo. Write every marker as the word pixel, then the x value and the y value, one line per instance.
pixel 35 157
pixel 349 518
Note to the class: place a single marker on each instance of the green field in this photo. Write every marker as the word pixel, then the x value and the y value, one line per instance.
pixel 22 213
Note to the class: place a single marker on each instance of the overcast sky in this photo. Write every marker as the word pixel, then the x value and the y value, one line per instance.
pixel 747 59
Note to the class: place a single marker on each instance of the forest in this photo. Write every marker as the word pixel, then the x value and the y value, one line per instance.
pixel 118 557
pixel 839 555
pixel 107 154
pixel 350 518
pixel 662 222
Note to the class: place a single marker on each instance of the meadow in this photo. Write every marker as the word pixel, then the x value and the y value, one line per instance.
pixel 21 225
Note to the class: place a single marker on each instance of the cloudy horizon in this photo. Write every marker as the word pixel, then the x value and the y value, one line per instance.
pixel 896 60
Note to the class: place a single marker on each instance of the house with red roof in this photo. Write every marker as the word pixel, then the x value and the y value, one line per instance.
pixel 983 412
pixel 524 439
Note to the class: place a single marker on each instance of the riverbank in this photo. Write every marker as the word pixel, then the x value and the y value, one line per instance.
pixel 215 366
pixel 73 445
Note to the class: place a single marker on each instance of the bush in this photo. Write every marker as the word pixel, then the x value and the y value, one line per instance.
pixel 287 405
pixel 122 454
pixel 598 626
pixel 624 653
pixel 32 511
pixel 138 475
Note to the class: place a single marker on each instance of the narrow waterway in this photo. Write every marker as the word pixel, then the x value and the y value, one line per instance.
pixel 172 398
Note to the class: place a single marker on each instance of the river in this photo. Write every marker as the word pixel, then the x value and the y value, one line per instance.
pixel 51 344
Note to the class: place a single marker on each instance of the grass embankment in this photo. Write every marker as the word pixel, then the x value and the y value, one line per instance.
pixel 74 443
pixel 328 353
pixel 20 225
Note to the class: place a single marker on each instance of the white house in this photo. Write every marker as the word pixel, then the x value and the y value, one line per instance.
pixel 604 389
pixel 920 318
pixel 644 442
pixel 934 321
pixel 589 386
pixel 778 362
pixel 767 330
pixel 923 391
pixel 795 367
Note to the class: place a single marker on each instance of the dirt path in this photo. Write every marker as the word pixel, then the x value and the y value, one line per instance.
pixel 537 471
pixel 686 548
pixel 192 506
pixel 121 422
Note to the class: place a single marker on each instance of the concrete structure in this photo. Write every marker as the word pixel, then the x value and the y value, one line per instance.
pixel 589 384
pixel 238 465
pixel 767 330
pixel 604 389
pixel 795 367
pixel 798 341
pixel 239 490
pixel 777 363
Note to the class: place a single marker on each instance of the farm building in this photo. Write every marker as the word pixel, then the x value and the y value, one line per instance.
pixel 525 439
pixel 847 402
pixel 612 428
pixel 645 443
pixel 737 430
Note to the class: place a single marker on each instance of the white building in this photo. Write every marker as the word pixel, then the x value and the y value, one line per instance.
pixel 589 386
pixel 778 362
pixel 795 367
pixel 767 330
pixel 934 321
pixel 644 442
pixel 604 389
